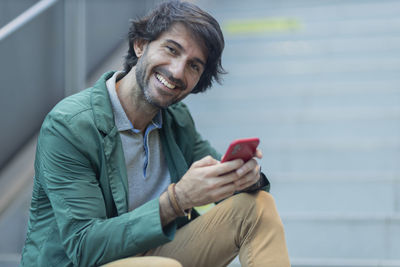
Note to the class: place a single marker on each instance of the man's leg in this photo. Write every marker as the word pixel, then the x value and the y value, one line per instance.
pixel 144 262
pixel 244 224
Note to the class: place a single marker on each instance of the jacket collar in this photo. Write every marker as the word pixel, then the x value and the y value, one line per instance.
pixel 115 162
pixel 102 109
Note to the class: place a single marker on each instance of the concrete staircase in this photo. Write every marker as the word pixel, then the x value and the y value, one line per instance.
pixel 319 83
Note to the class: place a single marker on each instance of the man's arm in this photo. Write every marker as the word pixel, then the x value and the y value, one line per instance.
pixel 71 182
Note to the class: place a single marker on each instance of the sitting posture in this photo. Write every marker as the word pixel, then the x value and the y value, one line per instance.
pixel 120 166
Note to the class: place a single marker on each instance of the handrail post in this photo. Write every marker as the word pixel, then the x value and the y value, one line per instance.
pixel 75 46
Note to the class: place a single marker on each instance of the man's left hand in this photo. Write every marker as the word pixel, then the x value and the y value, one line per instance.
pixel 249 173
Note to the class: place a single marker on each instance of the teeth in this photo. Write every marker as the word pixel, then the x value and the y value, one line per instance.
pixel 163 81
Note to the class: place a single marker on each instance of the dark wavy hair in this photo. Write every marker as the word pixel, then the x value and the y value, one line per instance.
pixel 200 23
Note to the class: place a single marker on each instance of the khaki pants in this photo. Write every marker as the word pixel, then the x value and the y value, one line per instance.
pixel 247 225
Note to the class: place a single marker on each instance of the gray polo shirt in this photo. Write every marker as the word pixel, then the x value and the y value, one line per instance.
pixel 148 174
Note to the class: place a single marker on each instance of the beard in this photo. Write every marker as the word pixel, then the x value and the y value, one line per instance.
pixel 143 78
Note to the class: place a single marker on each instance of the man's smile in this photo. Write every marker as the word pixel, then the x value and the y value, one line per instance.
pixel 164 81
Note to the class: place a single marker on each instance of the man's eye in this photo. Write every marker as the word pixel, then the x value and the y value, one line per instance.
pixel 195 67
pixel 171 49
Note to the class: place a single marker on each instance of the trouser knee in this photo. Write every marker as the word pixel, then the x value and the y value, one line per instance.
pixel 260 206
pixel 261 200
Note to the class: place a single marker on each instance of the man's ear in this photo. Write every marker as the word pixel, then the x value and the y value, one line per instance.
pixel 139 45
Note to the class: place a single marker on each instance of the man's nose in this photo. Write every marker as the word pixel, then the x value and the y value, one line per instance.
pixel 177 68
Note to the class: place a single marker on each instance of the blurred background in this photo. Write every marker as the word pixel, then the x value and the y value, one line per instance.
pixel 318 81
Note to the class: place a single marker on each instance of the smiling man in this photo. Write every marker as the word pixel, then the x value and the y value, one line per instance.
pixel 120 166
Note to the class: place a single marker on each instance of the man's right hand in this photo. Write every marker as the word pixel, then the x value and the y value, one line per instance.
pixel 207 181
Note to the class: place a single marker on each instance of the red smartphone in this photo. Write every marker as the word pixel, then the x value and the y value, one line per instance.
pixel 241 149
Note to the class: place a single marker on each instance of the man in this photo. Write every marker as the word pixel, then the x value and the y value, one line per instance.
pixel 120 166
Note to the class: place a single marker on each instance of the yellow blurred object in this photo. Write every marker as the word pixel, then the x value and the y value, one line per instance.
pixel 262 25
pixel 203 209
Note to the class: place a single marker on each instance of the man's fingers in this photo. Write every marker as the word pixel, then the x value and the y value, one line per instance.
pixel 258 154
pixel 226 179
pixel 249 179
pixel 204 162
pixel 224 191
pixel 248 166
pixel 226 167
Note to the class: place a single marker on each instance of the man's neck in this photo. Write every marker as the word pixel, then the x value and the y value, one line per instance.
pixel 137 109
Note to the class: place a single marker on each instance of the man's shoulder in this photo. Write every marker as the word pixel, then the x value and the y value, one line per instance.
pixel 87 104
pixel 71 107
pixel 71 121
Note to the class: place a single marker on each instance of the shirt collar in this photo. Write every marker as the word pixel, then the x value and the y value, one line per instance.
pixel 157 120
pixel 121 119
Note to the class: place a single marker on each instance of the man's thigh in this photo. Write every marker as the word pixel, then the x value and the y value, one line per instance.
pixel 214 238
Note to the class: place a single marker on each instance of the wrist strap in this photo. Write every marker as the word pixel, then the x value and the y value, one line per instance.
pixel 175 204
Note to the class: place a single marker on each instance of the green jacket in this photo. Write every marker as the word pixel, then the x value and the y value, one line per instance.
pixel 79 211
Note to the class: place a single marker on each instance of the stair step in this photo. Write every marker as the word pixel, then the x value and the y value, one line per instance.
pixel 313 262
pixel 340 235
pixel 327 262
pixel 10 259
pixel 308 10
pixel 347 193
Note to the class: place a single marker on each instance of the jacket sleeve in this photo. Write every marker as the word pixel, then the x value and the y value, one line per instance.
pixel 70 180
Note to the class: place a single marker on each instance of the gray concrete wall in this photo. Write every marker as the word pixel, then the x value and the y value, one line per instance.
pixel 31 79
pixel 32 64
pixel 107 25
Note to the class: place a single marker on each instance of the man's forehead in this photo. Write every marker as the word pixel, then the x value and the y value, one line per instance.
pixel 181 30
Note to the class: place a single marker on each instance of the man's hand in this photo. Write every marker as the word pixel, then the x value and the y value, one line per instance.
pixel 249 173
pixel 208 180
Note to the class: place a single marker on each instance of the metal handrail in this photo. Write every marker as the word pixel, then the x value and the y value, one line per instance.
pixel 25 17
